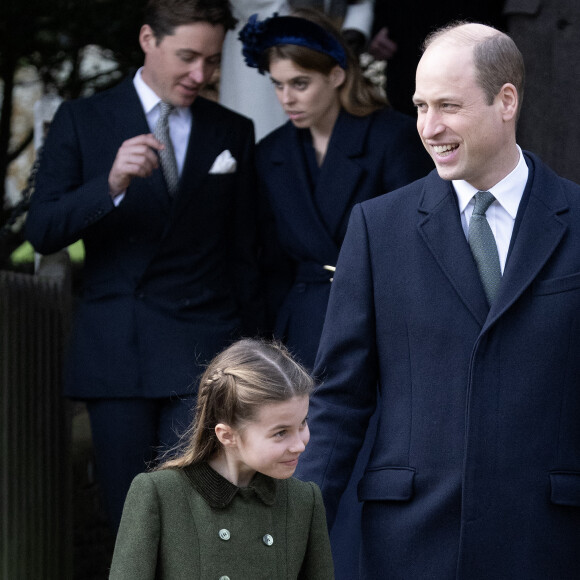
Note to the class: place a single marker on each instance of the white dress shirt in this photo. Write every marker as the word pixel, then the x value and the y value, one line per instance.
pixel 179 119
pixel 501 214
pixel 179 123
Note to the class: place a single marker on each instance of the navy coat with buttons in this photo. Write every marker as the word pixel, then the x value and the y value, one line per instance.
pixel 475 468
pixel 366 157
pixel 166 283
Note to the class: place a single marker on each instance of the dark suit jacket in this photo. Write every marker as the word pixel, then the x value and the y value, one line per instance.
pixel 366 157
pixel 475 468
pixel 173 518
pixel 166 283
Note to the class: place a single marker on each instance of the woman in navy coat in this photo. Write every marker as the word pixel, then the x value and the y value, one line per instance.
pixel 342 145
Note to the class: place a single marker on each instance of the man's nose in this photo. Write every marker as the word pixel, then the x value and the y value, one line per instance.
pixel 429 124
pixel 199 72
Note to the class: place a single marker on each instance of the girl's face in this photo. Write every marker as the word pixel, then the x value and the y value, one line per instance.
pixel 272 443
pixel 309 98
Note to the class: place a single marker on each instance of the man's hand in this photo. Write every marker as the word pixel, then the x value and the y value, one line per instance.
pixel 137 157
pixel 381 46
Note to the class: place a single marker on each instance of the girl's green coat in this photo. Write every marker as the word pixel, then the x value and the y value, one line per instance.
pixel 192 523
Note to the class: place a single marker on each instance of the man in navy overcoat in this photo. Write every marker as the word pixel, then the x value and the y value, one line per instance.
pixel 169 280
pixel 475 469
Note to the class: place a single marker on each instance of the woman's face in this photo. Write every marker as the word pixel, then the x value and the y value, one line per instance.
pixel 309 98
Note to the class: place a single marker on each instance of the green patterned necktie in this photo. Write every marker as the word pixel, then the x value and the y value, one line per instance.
pixel 483 246
pixel 167 155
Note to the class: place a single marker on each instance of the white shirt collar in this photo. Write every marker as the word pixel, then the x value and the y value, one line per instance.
pixel 508 192
pixel 149 98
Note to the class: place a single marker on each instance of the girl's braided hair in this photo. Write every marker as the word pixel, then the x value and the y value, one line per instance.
pixel 239 381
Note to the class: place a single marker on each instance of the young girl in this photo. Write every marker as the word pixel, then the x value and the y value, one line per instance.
pixel 226 507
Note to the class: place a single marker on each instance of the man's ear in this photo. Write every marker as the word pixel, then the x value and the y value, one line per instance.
pixel 508 99
pixel 226 435
pixel 147 38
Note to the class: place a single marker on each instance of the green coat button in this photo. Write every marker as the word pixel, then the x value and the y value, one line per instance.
pixel 268 540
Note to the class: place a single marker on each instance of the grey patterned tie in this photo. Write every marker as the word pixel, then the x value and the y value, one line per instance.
pixel 483 246
pixel 167 155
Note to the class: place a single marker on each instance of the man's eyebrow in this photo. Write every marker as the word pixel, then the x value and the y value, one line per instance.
pixel 191 52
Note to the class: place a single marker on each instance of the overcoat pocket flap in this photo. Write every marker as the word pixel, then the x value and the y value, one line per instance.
pixel 565 488
pixel 557 285
pixel 389 483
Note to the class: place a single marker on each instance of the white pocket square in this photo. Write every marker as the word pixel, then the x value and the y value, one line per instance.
pixel 224 163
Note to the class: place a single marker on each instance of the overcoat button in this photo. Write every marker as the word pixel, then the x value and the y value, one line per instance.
pixel 268 540
pixel 224 534
pixel 224 578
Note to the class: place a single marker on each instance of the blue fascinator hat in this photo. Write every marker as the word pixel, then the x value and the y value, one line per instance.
pixel 258 36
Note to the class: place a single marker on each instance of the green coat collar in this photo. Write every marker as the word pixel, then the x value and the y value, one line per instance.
pixel 219 492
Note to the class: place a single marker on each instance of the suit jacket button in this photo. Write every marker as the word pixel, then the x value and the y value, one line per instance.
pixel 268 540
pixel 224 534
pixel 224 578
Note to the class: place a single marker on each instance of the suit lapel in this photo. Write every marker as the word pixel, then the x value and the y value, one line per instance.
pixel 440 226
pixel 124 113
pixel 206 142
pixel 538 236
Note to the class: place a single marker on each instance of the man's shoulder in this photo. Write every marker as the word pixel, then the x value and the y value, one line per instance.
pixel 222 114
pixel 408 195
pixel 121 92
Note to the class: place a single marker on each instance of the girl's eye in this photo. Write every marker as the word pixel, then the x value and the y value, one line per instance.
pixel 280 434
pixel 301 85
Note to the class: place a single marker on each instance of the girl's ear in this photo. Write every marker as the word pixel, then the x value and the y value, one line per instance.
pixel 226 435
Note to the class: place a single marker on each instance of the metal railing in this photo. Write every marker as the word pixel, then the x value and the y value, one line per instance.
pixel 35 424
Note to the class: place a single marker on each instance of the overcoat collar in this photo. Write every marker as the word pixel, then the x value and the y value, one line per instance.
pixel 340 175
pixel 219 492
pixel 539 233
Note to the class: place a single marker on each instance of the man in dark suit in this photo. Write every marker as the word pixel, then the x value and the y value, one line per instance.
pixel 466 321
pixel 170 273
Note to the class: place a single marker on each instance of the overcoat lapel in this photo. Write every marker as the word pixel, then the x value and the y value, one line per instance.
pixel 440 226
pixel 295 190
pixel 341 173
pixel 540 232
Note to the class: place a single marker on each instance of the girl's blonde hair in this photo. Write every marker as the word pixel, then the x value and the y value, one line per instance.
pixel 356 95
pixel 239 381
